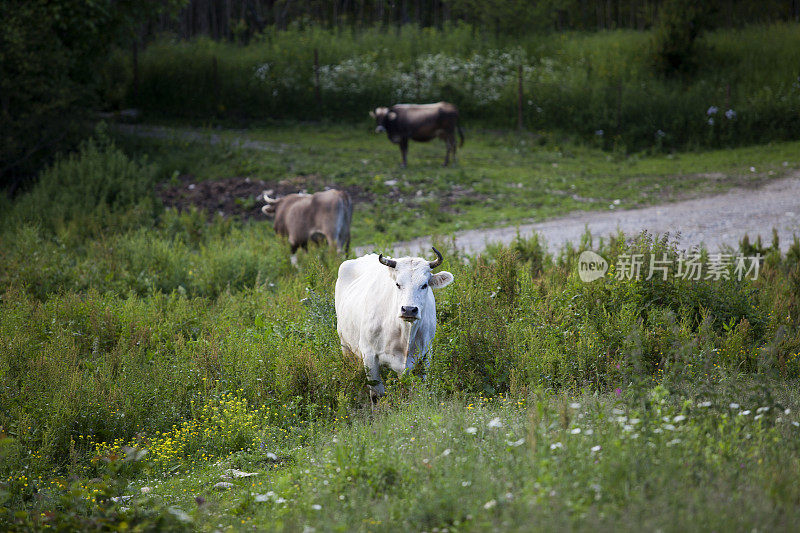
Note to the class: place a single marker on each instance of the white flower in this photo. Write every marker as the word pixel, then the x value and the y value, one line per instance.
pixel 599 133
pixel 762 409
pixel 466 483
pixel 316 507
pixel 556 445
pixel 752 169
pixel 704 404
pixel 634 420
pixel 795 423
pixel 617 411
pixel 471 430
pixel 679 418
pixel 712 110
pixel 734 405
pixel 488 505
pixel 673 442
pixel 669 427
pixel 516 443
pixel 494 423
pixel 744 413
pixel 575 405
pixel 589 431
pixel 446 452
pixel 596 449
pixel 787 411
pixel 730 114
pixel 575 431
pixel 710 121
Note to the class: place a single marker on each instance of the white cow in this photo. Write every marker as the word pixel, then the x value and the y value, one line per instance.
pixel 386 313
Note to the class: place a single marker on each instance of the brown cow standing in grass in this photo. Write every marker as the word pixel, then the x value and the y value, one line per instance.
pixel 312 217
pixel 420 122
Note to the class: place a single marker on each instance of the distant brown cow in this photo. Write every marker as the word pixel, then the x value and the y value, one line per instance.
pixel 420 122
pixel 310 217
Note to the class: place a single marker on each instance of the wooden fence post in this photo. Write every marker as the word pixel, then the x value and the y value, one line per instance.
pixel 136 71
pixel 317 95
pixel 519 97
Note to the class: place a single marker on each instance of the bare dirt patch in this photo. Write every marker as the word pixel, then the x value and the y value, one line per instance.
pixel 238 197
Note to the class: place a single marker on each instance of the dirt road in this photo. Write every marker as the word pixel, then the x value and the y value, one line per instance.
pixel 712 221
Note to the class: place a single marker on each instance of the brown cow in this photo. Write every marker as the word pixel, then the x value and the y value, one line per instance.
pixel 303 217
pixel 420 122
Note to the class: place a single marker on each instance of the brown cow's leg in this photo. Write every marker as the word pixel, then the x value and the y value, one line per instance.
pixel 404 149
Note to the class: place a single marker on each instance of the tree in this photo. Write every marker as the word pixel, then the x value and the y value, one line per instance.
pixel 50 56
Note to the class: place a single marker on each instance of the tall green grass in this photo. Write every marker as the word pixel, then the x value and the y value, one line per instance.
pixel 198 340
pixel 598 86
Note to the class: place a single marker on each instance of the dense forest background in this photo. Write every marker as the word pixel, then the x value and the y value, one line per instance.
pixel 63 61
pixel 240 19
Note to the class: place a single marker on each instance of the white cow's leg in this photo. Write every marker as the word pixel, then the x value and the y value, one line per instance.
pixel 376 388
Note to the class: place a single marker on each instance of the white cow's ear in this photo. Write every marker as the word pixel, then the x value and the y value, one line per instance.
pixel 440 279
pixel 392 115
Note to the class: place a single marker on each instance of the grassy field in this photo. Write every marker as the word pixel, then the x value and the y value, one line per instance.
pixel 501 178
pixel 147 355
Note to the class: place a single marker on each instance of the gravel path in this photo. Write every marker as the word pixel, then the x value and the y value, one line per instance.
pixel 712 221
pixel 198 135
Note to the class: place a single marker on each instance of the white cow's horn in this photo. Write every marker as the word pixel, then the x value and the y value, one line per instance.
pixel 438 260
pixel 391 263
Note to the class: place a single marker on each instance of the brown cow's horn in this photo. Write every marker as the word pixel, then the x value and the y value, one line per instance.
pixel 391 263
pixel 438 261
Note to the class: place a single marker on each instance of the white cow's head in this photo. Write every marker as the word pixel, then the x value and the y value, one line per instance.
pixel 414 281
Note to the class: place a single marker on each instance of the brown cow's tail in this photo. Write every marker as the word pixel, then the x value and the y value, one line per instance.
pixel 460 134
pixel 345 217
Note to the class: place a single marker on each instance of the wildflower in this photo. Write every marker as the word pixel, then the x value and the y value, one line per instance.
pixel 787 411
pixel 660 134
pixel 704 404
pixel 599 133
pixel 589 431
pixel 488 505
pixel 466 483
pixel 744 413
pixel 762 410
pixel 596 449
pixel 752 169
pixel 673 442
pixel 494 423
pixel 516 443
pixel 734 405
pixel 446 452
pixel 556 445
pixel 730 114
pixel 471 430
pixel 670 427
pixel 712 110
pixel 575 431
pixel 679 418
pixel 710 121
pixel 618 391
pixel 617 411
pixel 574 405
